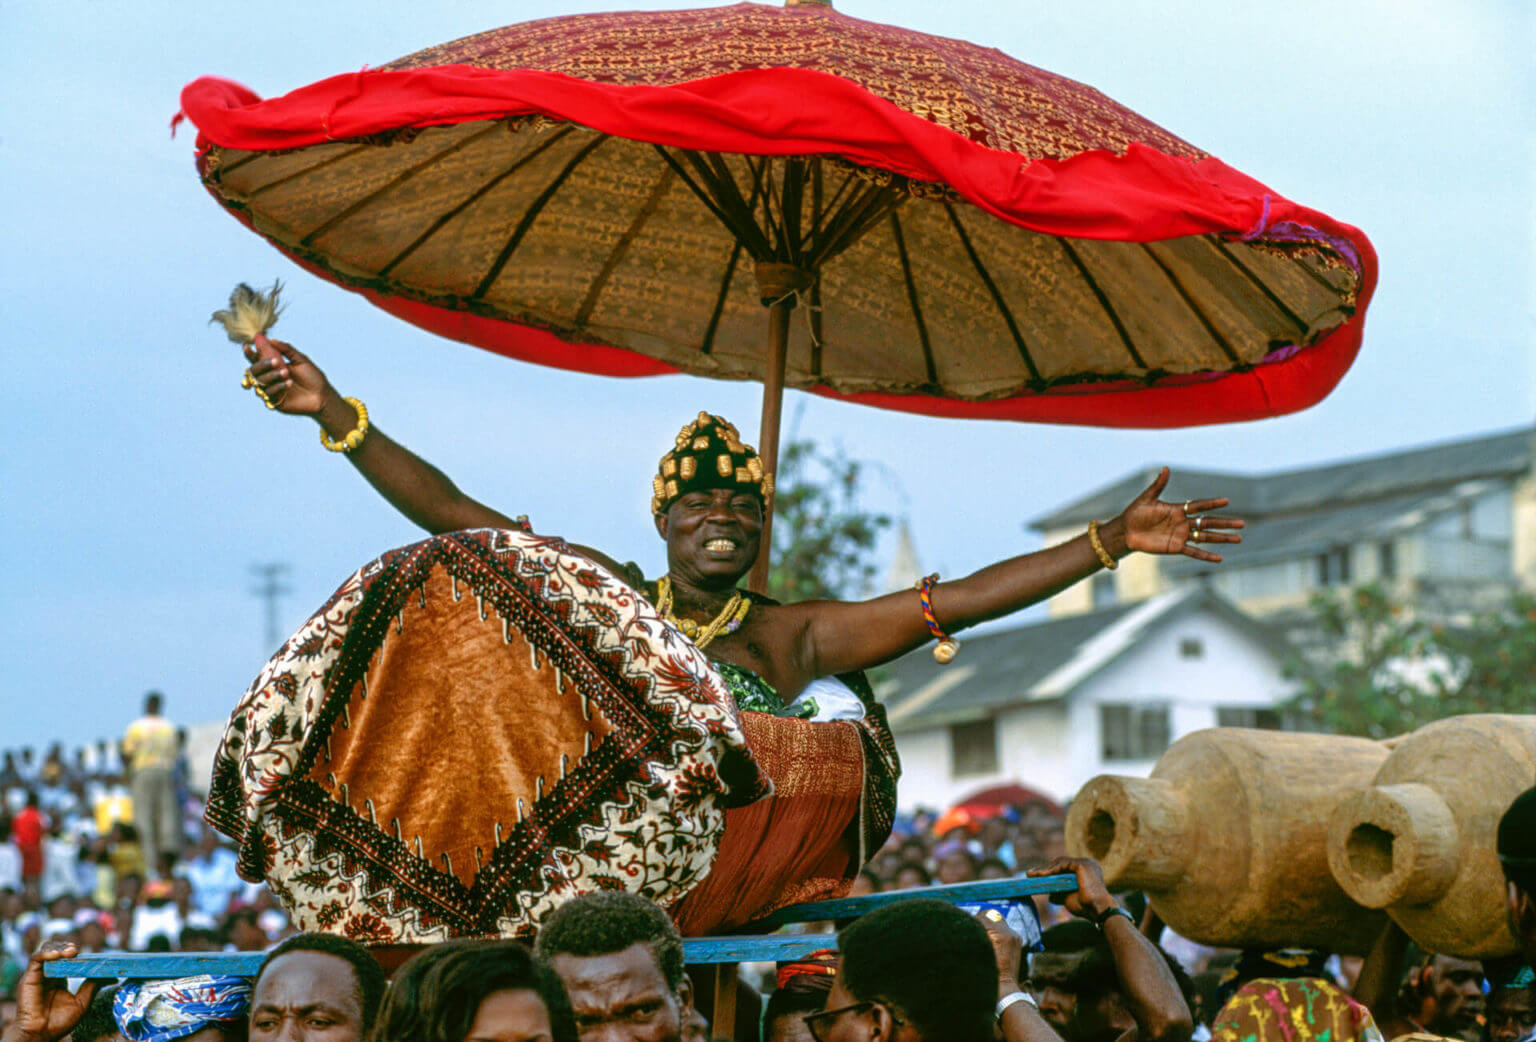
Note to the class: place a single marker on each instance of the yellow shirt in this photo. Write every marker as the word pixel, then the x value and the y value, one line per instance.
pixel 150 742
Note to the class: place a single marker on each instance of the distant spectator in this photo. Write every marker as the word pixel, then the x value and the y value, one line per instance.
pixel 59 852
pixel 211 870
pixel 10 857
pixel 955 862
pixel 465 990
pixel 149 752
pixel 241 930
pixel 621 960
pixel 27 830
pixel 316 988
pixel 919 971
pixel 992 868
pixel 910 876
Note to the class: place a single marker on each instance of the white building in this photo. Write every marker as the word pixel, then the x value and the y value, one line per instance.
pixel 1051 705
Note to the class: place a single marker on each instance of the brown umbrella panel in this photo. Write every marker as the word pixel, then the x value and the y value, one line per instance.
pixel 657 250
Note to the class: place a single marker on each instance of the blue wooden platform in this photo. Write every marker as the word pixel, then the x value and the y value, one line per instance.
pixel 752 945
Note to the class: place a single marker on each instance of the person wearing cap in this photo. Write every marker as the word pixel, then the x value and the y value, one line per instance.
pixel 709 499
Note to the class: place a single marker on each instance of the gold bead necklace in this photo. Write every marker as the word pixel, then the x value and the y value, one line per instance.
pixel 728 621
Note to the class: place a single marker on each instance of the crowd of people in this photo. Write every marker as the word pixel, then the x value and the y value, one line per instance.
pixel 609 967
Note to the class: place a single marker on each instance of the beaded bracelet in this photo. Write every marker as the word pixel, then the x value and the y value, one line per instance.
pixel 1098 547
pixel 944 652
pixel 355 437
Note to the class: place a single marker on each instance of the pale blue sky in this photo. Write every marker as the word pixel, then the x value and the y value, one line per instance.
pixel 140 482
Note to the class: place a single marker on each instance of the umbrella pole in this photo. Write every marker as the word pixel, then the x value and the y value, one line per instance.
pixel 768 429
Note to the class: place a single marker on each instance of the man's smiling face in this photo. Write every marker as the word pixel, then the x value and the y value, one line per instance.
pixel 712 535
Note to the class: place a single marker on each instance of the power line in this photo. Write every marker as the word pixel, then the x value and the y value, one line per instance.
pixel 269 587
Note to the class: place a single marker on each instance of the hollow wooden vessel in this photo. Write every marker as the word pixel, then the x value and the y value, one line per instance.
pixel 1419 841
pixel 1228 837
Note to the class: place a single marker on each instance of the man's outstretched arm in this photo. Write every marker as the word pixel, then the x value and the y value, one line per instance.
pixel 846 636
pixel 420 491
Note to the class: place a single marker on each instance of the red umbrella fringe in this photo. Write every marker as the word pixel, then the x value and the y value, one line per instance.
pixel 1140 196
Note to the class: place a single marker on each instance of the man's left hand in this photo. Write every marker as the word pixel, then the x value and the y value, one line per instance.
pixel 1155 527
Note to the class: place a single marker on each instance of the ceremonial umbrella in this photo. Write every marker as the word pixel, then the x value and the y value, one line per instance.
pixel 970 236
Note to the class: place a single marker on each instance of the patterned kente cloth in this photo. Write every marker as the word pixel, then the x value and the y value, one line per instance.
pixel 473 730
pixel 1303 1009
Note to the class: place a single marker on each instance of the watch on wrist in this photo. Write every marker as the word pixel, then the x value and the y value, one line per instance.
pixel 1109 913
pixel 1011 999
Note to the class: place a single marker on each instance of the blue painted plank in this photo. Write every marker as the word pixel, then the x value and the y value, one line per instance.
pixel 155 965
pixel 163 965
pixel 696 950
pixel 956 893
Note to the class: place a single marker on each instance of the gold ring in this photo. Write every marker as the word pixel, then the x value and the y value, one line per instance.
pixel 1187 502
pixel 994 915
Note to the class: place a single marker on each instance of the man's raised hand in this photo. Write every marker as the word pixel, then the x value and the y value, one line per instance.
pixel 291 382
pixel 1155 527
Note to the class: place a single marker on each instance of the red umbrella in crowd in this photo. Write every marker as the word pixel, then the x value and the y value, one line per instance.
pixel 969 236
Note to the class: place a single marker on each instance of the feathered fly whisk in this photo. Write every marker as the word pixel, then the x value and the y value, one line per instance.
pixel 250 313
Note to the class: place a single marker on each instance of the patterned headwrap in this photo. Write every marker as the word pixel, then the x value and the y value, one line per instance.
pixel 163 1010
pixel 709 454
pixel 1298 1010
pixel 813 972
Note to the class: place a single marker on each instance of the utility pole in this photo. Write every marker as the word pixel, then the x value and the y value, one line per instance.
pixel 269 587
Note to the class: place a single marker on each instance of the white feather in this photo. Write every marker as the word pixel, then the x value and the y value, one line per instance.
pixel 250 313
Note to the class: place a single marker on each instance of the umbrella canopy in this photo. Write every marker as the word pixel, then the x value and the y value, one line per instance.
pixel 970 236
pixel 977 237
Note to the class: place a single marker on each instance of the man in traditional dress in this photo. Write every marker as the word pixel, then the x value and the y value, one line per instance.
pixel 573 798
pixel 711 518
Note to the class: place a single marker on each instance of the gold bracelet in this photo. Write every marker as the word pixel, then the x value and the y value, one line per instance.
pixel 1098 547
pixel 355 437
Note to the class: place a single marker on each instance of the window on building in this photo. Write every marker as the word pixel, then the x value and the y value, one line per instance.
pixel 1191 647
pixel 1333 567
pixel 1102 589
pixel 1128 732
pixel 1386 560
pixel 973 748
pixel 1248 716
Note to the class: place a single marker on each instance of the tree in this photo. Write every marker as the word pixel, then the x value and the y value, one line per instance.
pixel 822 535
pixel 1390 673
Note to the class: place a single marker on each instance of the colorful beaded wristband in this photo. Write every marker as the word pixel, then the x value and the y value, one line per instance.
pixel 355 437
pixel 944 653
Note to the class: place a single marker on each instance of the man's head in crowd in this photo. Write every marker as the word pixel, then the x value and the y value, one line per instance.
pixel 1517 853
pixel 918 971
pixel 1075 981
pixel 911 875
pixel 802 987
pixel 1448 995
pixel 152 703
pixel 621 960
pixel 1511 1002
pixel 480 990
pixel 316 988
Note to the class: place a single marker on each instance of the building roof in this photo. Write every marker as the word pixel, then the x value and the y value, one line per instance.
pixel 1395 475
pixel 1040 662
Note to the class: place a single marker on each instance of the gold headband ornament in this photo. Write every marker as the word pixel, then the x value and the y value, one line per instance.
pixel 709 454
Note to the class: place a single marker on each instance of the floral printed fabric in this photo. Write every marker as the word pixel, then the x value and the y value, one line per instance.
pixel 1305 1009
